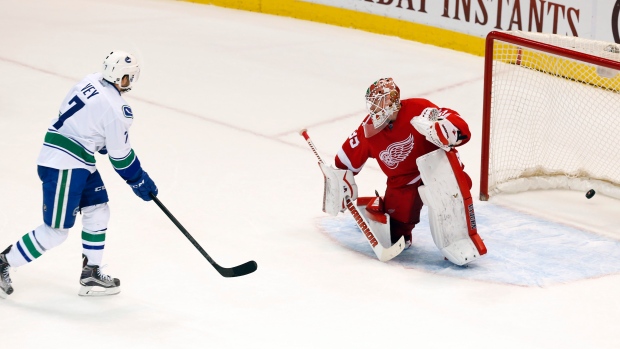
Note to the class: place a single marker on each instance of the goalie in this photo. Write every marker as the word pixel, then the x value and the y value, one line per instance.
pixel 398 133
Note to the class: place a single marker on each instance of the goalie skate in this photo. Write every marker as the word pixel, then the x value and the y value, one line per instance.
pixel 95 283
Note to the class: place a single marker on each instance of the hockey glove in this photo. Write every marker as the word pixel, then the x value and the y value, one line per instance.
pixel 437 129
pixel 143 186
pixel 339 184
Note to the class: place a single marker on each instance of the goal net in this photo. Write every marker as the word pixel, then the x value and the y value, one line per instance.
pixel 551 114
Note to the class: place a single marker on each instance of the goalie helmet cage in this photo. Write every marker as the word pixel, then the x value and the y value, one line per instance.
pixel 551 114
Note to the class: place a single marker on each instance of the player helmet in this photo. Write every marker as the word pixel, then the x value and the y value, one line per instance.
pixel 118 64
pixel 382 101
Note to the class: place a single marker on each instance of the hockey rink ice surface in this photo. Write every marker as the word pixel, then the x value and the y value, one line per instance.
pixel 220 100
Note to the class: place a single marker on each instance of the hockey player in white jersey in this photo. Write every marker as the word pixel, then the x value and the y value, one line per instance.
pixel 93 118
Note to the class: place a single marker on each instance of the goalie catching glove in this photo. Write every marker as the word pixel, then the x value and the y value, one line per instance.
pixel 338 186
pixel 433 124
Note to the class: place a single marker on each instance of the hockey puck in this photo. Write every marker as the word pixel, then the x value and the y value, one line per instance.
pixel 590 193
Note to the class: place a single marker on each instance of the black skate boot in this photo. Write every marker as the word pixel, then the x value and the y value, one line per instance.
pixel 5 280
pixel 95 283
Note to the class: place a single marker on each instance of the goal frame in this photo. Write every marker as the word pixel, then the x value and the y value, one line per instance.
pixel 488 87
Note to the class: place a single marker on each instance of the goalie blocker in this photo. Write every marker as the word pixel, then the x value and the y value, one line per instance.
pixel 450 207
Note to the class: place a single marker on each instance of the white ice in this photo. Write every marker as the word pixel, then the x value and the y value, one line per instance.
pixel 220 101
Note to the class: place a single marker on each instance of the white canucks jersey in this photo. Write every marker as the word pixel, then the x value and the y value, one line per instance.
pixel 93 117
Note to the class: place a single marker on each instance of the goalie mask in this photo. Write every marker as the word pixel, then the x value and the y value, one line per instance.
pixel 119 64
pixel 382 101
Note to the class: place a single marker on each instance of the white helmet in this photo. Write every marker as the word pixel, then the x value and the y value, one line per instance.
pixel 118 64
pixel 382 101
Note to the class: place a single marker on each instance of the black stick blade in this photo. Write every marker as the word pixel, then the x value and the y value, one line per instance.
pixel 240 270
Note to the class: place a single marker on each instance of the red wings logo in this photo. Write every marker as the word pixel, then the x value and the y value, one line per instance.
pixel 396 152
pixel 443 114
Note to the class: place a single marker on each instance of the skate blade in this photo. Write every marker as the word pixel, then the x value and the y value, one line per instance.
pixel 95 291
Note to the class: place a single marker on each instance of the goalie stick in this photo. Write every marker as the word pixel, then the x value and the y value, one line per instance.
pixel 384 254
pixel 240 270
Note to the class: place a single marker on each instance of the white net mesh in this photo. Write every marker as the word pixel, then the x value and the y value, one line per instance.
pixel 555 121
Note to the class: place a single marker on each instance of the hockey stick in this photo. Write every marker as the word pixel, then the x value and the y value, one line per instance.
pixel 240 270
pixel 384 254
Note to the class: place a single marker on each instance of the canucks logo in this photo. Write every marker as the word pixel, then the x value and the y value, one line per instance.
pixel 127 59
pixel 127 112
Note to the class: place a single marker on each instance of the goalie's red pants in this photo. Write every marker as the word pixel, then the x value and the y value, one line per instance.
pixel 403 204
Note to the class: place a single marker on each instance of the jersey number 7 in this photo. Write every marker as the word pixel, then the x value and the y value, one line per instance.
pixel 76 104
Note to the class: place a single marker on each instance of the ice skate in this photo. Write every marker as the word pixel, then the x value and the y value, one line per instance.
pixel 95 283
pixel 407 244
pixel 5 280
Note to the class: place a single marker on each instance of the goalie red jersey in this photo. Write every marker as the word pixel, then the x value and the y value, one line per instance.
pixel 399 134
pixel 397 145
pixel 388 135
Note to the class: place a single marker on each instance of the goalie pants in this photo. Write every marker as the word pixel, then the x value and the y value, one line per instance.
pixel 65 194
pixel 403 204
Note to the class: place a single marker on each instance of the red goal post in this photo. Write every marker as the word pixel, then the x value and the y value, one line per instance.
pixel 551 114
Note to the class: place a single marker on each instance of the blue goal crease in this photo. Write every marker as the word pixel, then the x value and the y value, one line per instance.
pixel 522 250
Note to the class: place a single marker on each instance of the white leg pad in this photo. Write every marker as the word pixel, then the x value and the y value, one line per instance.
pixel 380 228
pixel 446 209
pixel 376 227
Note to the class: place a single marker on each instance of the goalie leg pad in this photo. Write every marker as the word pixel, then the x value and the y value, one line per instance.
pixel 449 236
pixel 381 251
pixel 452 227
pixel 378 221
